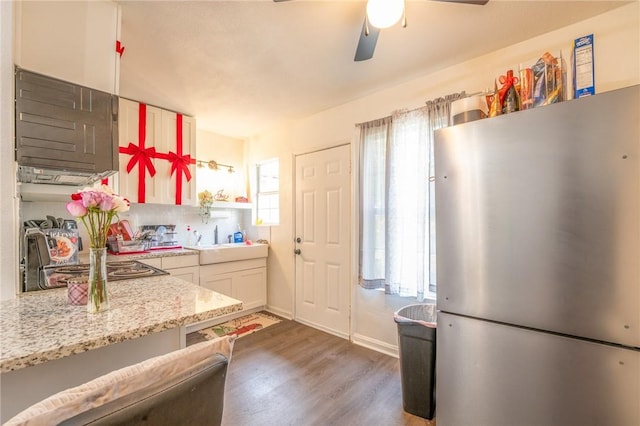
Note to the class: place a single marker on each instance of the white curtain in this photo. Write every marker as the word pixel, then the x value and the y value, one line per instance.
pixel 407 206
pixel 397 215
pixel 372 201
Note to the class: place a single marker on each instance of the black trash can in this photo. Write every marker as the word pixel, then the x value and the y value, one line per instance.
pixel 417 350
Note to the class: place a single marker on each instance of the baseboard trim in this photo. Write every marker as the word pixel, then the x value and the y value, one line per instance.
pixel 322 328
pixel 375 344
pixel 279 312
pixel 358 339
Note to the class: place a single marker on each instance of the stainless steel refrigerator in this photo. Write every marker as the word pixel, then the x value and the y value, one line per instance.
pixel 538 266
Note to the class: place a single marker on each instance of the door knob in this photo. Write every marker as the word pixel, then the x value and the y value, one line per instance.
pixel 297 251
pixel 298 240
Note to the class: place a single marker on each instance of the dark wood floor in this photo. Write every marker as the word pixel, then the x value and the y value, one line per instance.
pixel 291 374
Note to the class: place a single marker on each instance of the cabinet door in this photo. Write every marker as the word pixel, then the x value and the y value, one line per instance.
pixel 186 145
pixel 221 283
pixel 73 41
pixel 128 182
pixel 189 273
pixel 250 286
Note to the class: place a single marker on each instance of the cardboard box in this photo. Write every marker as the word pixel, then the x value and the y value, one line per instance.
pixel 583 68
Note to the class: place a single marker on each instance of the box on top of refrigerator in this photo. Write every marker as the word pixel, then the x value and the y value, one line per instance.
pixel 583 68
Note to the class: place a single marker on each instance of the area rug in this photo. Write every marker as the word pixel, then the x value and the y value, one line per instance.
pixel 240 326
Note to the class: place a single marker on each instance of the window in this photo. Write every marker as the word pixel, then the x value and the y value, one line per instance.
pixel 397 215
pixel 267 197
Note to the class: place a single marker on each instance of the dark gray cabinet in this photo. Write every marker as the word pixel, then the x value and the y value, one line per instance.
pixel 64 127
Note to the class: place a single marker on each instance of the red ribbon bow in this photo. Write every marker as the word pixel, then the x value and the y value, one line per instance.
pixel 180 163
pixel 140 156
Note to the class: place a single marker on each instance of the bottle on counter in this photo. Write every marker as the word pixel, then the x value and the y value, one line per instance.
pixel 237 236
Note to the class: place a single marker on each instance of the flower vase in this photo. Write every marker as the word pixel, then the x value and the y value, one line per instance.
pixel 98 300
pixel 205 212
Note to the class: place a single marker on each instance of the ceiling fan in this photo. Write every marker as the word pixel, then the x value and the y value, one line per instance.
pixel 383 14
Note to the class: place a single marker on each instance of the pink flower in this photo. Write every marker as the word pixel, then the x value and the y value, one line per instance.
pixel 107 202
pixel 91 198
pixel 96 208
pixel 76 208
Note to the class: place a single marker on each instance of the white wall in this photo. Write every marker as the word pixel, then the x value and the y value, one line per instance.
pixel 280 272
pixel 617 64
pixel 225 150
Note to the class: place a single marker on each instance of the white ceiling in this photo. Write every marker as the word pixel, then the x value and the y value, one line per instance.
pixel 242 66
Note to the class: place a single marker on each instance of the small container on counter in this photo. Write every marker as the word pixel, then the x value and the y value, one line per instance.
pixel 78 290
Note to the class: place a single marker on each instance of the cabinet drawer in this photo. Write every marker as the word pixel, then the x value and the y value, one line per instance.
pixel 171 262
pixel 240 265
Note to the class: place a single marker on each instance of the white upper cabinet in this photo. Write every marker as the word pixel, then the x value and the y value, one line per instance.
pixel 183 145
pixel 134 177
pixel 73 41
pixel 155 149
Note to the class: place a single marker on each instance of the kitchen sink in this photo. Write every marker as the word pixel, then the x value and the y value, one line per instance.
pixel 229 252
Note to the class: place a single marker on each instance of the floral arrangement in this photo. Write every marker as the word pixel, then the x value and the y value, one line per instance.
pixel 206 201
pixel 206 198
pixel 96 208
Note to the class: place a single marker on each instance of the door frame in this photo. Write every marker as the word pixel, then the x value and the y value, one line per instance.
pixel 353 256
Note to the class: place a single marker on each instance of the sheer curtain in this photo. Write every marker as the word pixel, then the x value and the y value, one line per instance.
pixel 372 201
pixel 407 222
pixel 397 220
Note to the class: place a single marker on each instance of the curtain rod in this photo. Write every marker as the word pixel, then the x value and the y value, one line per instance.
pixel 459 95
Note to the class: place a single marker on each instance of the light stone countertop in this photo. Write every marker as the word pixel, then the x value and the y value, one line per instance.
pixel 83 257
pixel 152 254
pixel 40 326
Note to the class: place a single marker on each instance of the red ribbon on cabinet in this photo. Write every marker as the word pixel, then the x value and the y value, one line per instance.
pixel 179 163
pixel 140 155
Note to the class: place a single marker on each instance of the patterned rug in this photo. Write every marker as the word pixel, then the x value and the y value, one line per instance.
pixel 240 326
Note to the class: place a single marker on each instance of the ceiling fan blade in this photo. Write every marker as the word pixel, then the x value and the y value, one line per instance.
pixel 367 42
pixel 477 2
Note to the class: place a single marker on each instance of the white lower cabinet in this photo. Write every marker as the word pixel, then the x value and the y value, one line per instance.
pixel 245 280
pixel 191 273
pixel 185 267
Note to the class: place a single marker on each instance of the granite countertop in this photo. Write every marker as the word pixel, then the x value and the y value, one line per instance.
pixel 41 326
pixel 83 257
pixel 153 253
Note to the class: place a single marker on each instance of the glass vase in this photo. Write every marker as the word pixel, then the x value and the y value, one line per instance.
pixel 98 300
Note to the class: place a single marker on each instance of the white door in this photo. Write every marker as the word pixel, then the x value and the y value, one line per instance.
pixel 323 239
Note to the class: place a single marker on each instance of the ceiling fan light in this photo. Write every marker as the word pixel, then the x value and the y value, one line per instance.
pixel 384 13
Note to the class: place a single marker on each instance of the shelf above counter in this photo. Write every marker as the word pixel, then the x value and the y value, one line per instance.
pixel 231 205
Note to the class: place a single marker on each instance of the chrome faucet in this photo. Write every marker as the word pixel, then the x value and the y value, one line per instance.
pixel 215 235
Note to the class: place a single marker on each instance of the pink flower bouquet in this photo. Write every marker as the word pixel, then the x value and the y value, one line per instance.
pixel 96 208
